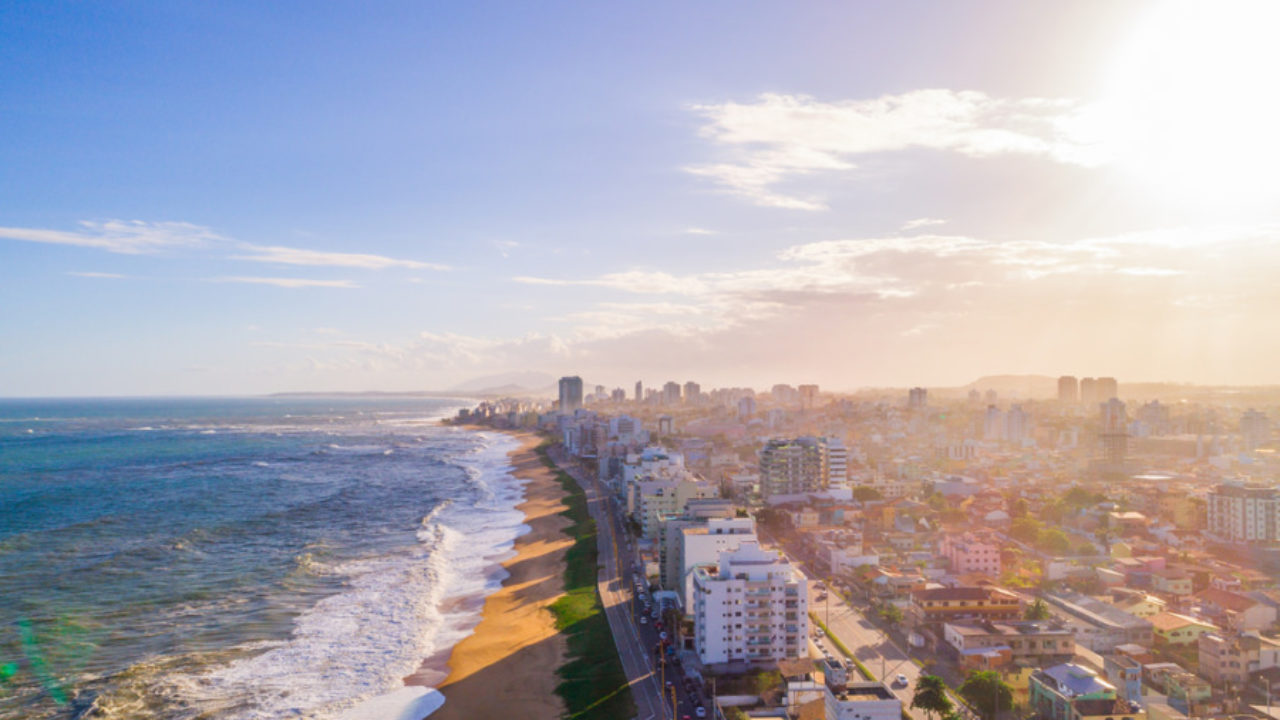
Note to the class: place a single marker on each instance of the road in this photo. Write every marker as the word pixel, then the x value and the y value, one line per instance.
pixel 635 640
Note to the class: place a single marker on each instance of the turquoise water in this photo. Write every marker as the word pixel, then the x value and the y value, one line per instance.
pixel 252 558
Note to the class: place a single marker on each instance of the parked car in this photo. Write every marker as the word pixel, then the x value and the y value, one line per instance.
pixel 902 680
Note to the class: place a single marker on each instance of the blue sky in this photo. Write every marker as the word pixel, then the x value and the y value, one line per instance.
pixel 246 198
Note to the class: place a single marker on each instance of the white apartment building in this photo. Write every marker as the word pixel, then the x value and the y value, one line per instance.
pixel 1238 513
pixel 701 545
pixel 751 608
pixel 659 499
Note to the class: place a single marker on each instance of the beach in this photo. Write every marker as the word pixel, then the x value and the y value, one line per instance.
pixel 507 666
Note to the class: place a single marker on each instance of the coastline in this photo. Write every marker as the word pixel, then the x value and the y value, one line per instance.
pixel 511 658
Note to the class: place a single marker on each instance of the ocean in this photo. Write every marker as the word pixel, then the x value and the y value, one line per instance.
pixel 239 558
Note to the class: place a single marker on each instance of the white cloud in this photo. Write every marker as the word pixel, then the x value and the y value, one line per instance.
pixel 922 222
pixel 299 256
pixel 103 275
pixel 779 137
pixel 291 283
pixel 126 237
pixel 700 231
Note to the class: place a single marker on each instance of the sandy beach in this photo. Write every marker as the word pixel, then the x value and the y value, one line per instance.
pixel 507 667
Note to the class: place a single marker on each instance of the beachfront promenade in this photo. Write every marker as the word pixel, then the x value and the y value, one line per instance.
pixel 615 596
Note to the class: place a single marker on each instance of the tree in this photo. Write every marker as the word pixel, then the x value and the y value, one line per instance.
pixel 1037 610
pixel 1017 508
pixel 892 614
pixel 987 693
pixel 865 493
pixel 1025 529
pixel 1054 541
pixel 931 696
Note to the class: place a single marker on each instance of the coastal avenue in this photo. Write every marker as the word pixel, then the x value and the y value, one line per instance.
pixel 615 596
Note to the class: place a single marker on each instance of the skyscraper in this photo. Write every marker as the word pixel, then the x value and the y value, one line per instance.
pixel 1089 391
pixel 1068 389
pixel 1114 422
pixel 639 391
pixel 692 392
pixel 1107 389
pixel 570 393
pixel 671 393
pixel 917 398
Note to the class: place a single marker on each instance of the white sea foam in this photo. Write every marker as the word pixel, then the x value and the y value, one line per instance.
pixel 361 642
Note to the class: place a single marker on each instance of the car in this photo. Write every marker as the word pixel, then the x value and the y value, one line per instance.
pixel 819 633
pixel 700 711
pixel 662 635
pixel 644 619
pixel 902 680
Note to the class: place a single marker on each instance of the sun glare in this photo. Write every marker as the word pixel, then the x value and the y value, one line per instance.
pixel 1191 108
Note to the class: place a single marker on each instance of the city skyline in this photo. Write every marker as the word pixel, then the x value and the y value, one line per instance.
pixel 244 200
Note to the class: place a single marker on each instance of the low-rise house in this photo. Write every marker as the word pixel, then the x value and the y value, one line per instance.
pixel 1227 660
pixel 1074 692
pixel 1234 611
pixel 1097 625
pixel 1171 582
pixel 943 605
pixel 1138 603
pixel 1126 674
pixel 996 644
pixel 1175 629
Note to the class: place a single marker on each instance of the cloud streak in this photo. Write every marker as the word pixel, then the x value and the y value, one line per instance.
pixel 280 255
pixel 781 137
pixel 284 282
pixel 125 237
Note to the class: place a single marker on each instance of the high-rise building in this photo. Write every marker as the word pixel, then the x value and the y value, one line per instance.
pixel 570 393
pixel 1068 389
pixel 1089 391
pixel 1241 513
pixel 692 393
pixel 917 398
pixel 803 465
pixel 639 391
pixel 671 393
pixel 993 424
pixel 618 395
pixel 1255 429
pixel 808 396
pixel 746 407
pixel 784 394
pixel 1107 388
pixel 1017 425
pixel 752 607
pixel 1114 424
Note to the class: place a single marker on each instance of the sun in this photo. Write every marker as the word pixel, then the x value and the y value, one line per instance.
pixel 1191 110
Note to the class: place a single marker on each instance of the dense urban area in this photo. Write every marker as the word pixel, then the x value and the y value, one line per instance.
pixel 1098 553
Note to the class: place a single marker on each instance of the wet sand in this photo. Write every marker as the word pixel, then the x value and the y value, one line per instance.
pixel 507 667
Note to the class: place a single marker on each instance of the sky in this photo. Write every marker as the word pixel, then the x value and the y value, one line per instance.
pixel 243 198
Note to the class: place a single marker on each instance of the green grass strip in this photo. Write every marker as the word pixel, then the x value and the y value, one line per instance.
pixel 593 684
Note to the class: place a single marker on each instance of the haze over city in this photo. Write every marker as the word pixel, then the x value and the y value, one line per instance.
pixel 247 199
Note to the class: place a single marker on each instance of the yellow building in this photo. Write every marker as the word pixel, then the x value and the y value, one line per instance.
pixel 1174 629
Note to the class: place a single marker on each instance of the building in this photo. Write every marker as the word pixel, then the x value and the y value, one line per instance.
pixel 1255 429
pixel 1244 514
pixel 795 467
pixel 917 398
pixel 1068 389
pixel 657 499
pixel 951 604
pixel 752 607
pixel 1074 692
pixel 1227 660
pixel 1234 611
pixel 808 396
pixel 692 393
pixel 1097 625
pixel 671 393
pixel 971 553
pixel 995 644
pixel 1114 422
pixel 863 701
pixel 701 545
pixel 639 391
pixel 1108 388
pixel 570 394
pixel 1175 629
pixel 1089 391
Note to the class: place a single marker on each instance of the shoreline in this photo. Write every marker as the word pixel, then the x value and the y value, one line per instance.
pixel 512 656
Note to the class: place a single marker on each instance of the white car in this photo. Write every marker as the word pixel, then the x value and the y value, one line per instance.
pixel 902 680
pixel 700 711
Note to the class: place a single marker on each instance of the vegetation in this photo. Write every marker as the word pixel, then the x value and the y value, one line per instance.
pixel 593 683
pixel 986 693
pixel 891 614
pixel 864 493
pixel 1037 610
pixel 931 696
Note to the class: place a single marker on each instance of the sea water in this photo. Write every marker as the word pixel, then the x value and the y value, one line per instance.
pixel 243 559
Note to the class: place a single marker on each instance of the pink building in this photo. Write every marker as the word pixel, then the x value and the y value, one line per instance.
pixel 971 553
